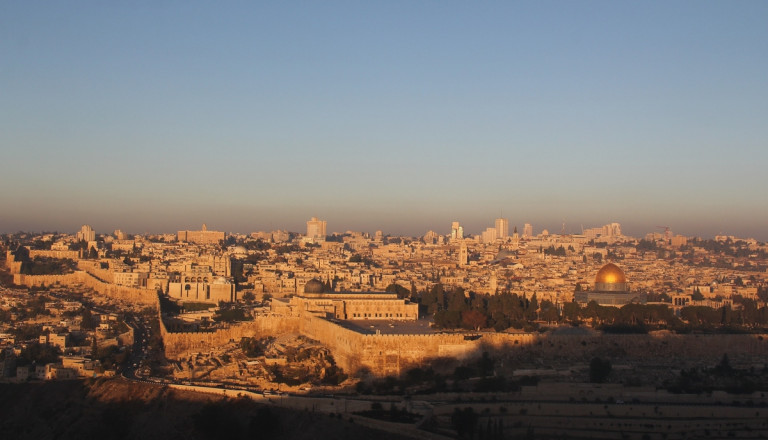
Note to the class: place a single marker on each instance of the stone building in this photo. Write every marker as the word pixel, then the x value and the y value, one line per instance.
pixel 611 289
pixel 347 305
pixel 203 236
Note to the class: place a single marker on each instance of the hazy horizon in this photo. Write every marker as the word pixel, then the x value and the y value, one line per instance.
pixel 399 116
pixel 631 229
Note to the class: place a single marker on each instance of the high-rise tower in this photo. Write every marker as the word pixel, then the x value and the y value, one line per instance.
pixel 316 228
pixel 502 228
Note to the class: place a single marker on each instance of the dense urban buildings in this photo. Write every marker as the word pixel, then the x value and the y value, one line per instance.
pixel 298 311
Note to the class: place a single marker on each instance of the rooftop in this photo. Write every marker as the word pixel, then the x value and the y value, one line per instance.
pixel 388 327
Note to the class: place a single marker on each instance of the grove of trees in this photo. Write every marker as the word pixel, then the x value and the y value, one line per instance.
pixel 453 309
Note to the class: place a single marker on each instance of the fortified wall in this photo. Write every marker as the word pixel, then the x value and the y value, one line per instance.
pixel 128 294
pixel 178 343
pixel 71 255
pixel 379 354
pixel 13 266
pixel 393 354
pixel 94 268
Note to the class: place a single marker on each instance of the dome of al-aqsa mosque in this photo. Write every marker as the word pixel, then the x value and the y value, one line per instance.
pixel 314 286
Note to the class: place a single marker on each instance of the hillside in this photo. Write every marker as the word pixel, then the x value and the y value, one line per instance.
pixel 116 409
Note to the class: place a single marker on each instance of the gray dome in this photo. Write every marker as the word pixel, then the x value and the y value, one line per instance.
pixel 314 286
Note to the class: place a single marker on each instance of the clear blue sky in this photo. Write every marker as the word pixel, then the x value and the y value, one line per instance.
pixel 401 116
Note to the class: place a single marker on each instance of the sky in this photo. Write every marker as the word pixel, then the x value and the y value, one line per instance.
pixel 400 116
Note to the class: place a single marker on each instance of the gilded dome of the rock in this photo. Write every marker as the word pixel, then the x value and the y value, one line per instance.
pixel 610 274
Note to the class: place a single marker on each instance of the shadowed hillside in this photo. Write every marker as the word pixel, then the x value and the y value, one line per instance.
pixel 116 409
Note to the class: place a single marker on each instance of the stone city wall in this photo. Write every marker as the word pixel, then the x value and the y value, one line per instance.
pixel 45 280
pixel 126 338
pixel 393 354
pixel 352 351
pixel 72 255
pixel 177 344
pixel 94 268
pixel 128 294
pixel 13 266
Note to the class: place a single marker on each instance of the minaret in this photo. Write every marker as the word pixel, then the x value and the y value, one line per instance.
pixel 463 254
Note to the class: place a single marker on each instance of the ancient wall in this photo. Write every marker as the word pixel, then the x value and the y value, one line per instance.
pixel 379 354
pixel 93 267
pixel 72 255
pixel 180 343
pixel 45 280
pixel 126 338
pixel 388 354
pixel 13 266
pixel 128 294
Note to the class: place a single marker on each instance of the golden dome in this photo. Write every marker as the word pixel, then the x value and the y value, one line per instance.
pixel 610 274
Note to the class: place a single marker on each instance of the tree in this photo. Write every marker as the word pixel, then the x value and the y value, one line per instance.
pixel 599 370
pixel 473 319
pixel 724 367
pixel 87 322
pixel 697 296
pixel 457 301
pixel 485 364
pixel 571 311
pixel 448 318
pixel 94 348
pixel 401 291
pixel 433 299
pixel 464 421
pixel 548 311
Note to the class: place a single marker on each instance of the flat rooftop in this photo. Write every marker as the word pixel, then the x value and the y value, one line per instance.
pixel 388 327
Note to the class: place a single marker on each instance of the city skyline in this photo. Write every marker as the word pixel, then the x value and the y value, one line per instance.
pixel 318 225
pixel 400 117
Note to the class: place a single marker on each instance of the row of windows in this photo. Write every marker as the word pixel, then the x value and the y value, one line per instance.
pixel 193 279
pixel 377 315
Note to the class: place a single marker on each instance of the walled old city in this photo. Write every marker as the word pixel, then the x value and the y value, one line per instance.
pixel 313 312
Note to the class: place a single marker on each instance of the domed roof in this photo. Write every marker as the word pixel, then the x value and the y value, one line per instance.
pixel 314 286
pixel 610 274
